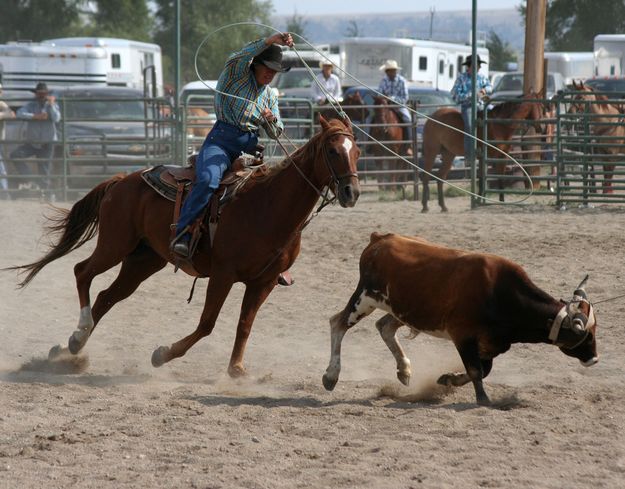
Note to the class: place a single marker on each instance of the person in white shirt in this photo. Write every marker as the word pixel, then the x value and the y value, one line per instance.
pixel 329 81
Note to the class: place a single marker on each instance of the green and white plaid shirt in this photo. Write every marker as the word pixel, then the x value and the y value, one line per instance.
pixel 238 79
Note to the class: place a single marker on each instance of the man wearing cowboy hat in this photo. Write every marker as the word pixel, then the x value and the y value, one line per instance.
pixel 330 83
pixel 246 75
pixel 461 93
pixel 393 85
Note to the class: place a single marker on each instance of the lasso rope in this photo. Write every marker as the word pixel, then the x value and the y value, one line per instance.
pixel 341 113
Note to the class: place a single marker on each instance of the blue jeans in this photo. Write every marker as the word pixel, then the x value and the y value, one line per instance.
pixel 43 153
pixel 404 117
pixel 465 110
pixel 221 147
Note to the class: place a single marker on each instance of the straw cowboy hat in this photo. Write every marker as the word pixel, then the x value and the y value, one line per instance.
pixel 390 64
pixel 325 62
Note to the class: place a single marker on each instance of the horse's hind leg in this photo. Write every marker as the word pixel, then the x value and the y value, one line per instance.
pixel 359 306
pixel 216 294
pixel 136 267
pixel 447 160
pixel 102 259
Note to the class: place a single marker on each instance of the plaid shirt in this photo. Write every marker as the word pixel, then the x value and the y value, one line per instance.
pixel 461 91
pixel 395 89
pixel 238 79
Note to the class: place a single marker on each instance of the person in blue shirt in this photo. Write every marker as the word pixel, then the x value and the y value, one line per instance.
pixel 246 75
pixel 461 93
pixel 42 115
pixel 393 85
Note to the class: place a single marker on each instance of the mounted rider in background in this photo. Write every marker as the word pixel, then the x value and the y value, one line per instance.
pixel 394 86
pixel 247 74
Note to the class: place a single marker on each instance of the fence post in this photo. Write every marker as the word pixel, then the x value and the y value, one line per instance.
pixel 415 153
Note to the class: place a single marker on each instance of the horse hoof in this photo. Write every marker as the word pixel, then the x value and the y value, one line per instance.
pixel 75 344
pixel 445 379
pixel 55 352
pixel 158 356
pixel 444 209
pixel 424 210
pixel 236 371
pixel 328 382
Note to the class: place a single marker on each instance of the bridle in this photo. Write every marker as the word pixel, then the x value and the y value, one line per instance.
pixel 326 158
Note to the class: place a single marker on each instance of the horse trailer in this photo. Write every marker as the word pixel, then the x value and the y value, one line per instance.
pixel 84 61
pixel 571 65
pixel 433 64
pixel 609 52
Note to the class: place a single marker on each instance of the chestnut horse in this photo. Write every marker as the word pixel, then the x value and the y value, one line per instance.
pixel 386 127
pixel 258 236
pixel 606 123
pixel 439 139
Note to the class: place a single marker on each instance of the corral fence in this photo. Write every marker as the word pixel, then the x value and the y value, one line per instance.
pixel 570 157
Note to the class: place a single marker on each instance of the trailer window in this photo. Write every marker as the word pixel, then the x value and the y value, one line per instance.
pixel 459 64
pixel 116 61
pixel 441 66
pixel 423 63
pixel 451 71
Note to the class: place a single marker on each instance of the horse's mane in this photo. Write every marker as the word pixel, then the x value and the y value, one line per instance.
pixel 504 109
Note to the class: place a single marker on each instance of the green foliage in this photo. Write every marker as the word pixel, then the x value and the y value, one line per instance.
pixel 201 17
pixel 571 25
pixel 127 19
pixel 296 25
pixel 35 20
pixel 499 51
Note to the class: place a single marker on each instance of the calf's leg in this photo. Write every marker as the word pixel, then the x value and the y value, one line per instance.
pixel 387 326
pixel 358 307
pixel 469 353
pixel 459 379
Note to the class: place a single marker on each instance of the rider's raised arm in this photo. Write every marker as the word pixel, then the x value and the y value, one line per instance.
pixel 238 64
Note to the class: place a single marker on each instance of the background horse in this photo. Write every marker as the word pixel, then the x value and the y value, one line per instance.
pixel 387 128
pixel 606 124
pixel 439 139
pixel 258 237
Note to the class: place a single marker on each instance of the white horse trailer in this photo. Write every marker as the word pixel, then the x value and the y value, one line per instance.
pixel 609 54
pixel 130 62
pixel 571 65
pixel 424 63
pixel 24 64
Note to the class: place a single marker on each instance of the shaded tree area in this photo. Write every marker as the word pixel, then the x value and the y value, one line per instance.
pixel 500 52
pixel 571 25
pixel 201 18
pixel 128 19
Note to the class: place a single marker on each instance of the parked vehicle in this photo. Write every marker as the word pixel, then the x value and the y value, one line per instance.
pixel 96 61
pixel 427 63
pixel 608 84
pixel 571 65
pixel 510 86
pixel 109 130
pixel 295 83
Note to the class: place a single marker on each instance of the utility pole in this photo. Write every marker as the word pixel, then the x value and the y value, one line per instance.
pixel 432 11
pixel 535 19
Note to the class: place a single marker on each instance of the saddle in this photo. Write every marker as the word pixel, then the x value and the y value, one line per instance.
pixel 174 183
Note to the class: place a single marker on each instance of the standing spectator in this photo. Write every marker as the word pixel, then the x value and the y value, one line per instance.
pixel 5 113
pixel 329 81
pixel 393 85
pixel 461 92
pixel 42 115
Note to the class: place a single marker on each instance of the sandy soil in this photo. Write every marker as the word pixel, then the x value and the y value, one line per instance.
pixel 117 422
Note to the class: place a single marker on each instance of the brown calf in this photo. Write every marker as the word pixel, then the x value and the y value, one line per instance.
pixel 483 303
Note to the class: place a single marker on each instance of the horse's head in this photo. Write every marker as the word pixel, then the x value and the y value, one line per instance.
pixel 585 94
pixel 340 154
pixel 352 105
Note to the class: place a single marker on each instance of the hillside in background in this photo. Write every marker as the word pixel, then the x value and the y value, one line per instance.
pixel 447 26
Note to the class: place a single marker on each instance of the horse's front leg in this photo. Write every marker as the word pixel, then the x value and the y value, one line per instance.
pixel 216 293
pixel 255 295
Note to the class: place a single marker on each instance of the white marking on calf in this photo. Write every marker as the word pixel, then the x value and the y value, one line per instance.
pixel 366 304
pixel 85 325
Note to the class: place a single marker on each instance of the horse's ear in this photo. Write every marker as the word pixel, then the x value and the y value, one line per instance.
pixel 347 121
pixel 325 125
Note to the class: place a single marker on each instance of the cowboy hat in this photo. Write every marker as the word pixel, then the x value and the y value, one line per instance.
pixel 271 58
pixel 469 61
pixel 325 62
pixel 390 64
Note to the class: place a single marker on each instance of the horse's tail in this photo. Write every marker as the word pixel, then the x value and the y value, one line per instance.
pixel 76 226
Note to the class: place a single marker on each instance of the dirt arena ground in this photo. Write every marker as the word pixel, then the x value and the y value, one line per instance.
pixel 120 423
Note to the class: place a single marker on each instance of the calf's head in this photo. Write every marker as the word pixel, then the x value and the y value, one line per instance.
pixel 574 328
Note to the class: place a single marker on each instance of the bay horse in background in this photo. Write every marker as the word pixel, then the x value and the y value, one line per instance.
pixel 386 127
pixel 258 237
pixel 449 143
pixel 606 124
